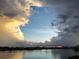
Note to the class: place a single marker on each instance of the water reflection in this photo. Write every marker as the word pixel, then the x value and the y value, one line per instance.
pixel 11 55
pixel 37 54
pixel 62 54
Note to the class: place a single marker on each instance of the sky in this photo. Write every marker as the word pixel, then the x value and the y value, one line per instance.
pixel 64 16
pixel 39 28
pixel 66 21
pixel 56 21
pixel 18 14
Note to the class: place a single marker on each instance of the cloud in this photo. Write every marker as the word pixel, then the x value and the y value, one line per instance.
pixel 14 14
pixel 66 20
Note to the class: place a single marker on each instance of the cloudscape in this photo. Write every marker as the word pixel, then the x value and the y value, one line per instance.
pixel 66 20
pixel 13 15
pixel 53 21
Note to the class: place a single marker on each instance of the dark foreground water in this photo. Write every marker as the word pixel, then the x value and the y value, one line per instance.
pixel 37 54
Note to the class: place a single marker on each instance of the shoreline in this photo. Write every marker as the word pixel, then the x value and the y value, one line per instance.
pixel 31 48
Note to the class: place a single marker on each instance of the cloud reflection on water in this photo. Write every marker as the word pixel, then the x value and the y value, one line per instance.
pixel 11 55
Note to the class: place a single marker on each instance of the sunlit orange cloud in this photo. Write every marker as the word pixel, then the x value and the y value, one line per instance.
pixel 14 15
pixel 37 3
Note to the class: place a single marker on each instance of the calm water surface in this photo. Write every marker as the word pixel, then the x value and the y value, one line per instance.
pixel 37 54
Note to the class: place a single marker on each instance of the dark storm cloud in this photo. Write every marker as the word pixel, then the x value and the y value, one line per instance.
pixel 66 19
pixel 11 7
pixel 67 13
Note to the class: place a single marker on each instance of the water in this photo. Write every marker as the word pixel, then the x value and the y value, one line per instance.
pixel 37 54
